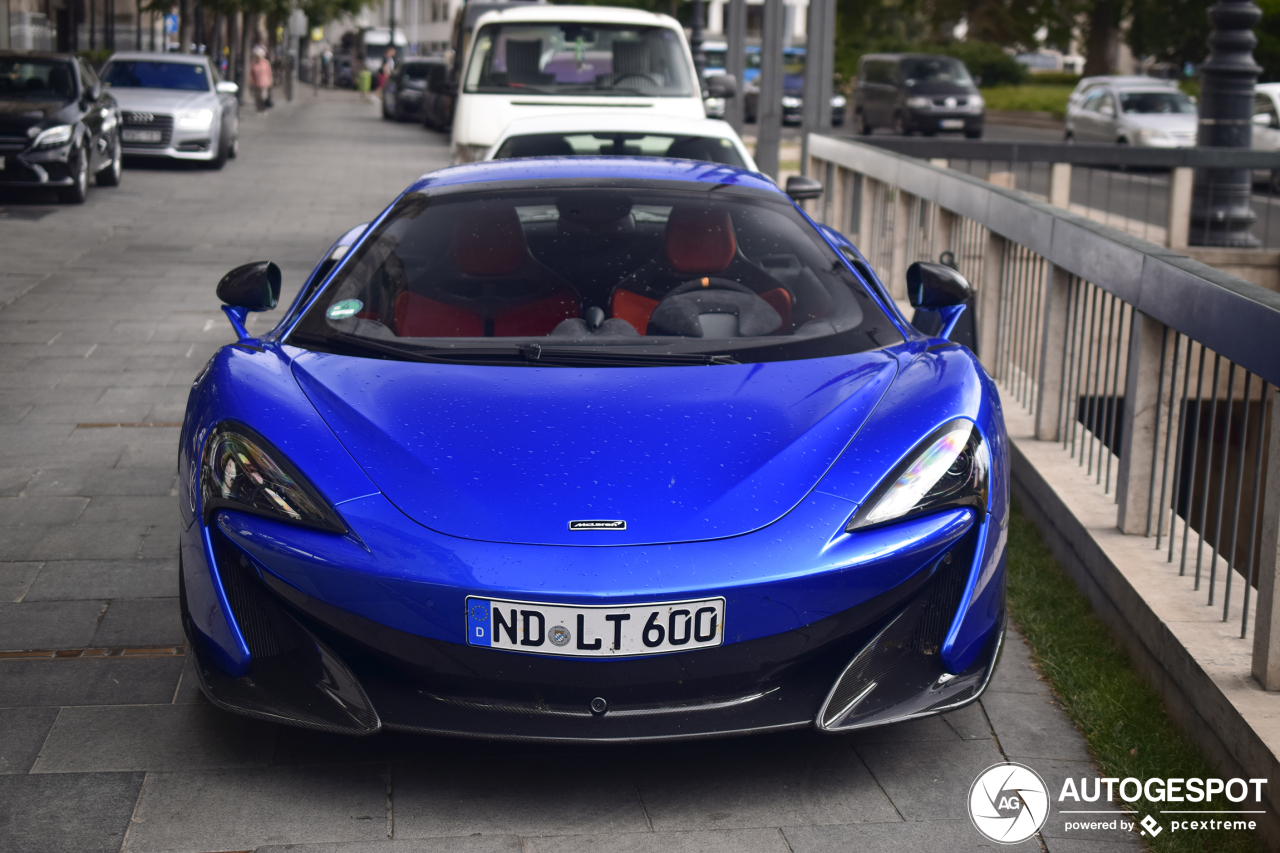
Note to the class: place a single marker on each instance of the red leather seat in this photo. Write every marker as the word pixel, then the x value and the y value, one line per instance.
pixel 500 289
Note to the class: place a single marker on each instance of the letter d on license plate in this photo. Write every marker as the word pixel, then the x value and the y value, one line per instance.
pixel 595 630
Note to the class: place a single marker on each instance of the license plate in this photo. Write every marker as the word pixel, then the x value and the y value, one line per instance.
pixel 1 164
pixel 140 135
pixel 594 630
pixel 952 124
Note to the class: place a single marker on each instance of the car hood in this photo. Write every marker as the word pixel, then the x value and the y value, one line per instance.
pixel 513 454
pixel 162 100
pixel 16 114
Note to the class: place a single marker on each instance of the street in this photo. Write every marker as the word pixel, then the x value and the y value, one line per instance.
pixel 107 313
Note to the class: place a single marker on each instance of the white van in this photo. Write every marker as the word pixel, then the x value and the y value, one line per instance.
pixel 548 60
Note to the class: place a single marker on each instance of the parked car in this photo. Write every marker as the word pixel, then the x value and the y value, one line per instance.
pixel 58 124
pixel 540 59
pixel 1266 129
pixel 1134 114
pixel 593 449
pixel 343 76
pixel 623 134
pixel 1088 84
pixel 402 94
pixel 917 92
pixel 174 106
pixel 438 98
pixel 792 88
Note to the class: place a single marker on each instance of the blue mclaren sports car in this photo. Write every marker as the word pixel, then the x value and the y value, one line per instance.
pixel 593 449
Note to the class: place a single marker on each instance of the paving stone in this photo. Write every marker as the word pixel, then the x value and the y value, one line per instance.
pixel 1014 672
pixel 1083 845
pixel 1034 727
pixel 140 622
pixel 473 844
pixel 153 737
pixel 804 779
pixel 16 578
pixel 14 480
pixel 953 836
pixel 88 681
pixel 702 841
pixel 244 809
pixel 969 722
pixel 1055 774
pixel 22 733
pixel 123 481
pixel 67 813
pixel 926 782
pixel 62 580
pixel 49 624
pixel 46 511
pixel 460 798
pixel 131 509
pixel 925 728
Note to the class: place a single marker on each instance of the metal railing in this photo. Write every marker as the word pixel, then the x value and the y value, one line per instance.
pixel 1155 373
pixel 1145 192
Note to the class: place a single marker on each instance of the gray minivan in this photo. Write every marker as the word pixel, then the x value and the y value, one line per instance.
pixel 924 92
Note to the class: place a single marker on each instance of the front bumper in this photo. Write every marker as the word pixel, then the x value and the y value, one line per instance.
pixel 939 121
pixel 175 143
pixel 317 665
pixel 47 168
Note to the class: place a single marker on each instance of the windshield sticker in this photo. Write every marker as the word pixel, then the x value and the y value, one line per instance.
pixel 345 309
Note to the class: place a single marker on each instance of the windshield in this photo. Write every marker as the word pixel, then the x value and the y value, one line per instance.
pixel 635 273
pixel 1168 103
pixel 36 79
pixel 709 148
pixel 122 74
pixel 572 59
pixel 935 69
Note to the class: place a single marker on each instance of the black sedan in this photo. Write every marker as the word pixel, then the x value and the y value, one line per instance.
pixel 58 125
pixel 402 93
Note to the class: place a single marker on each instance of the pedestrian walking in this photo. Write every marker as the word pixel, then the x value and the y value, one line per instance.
pixel 260 78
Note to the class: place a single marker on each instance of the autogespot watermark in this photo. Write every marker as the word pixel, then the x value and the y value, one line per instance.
pixel 1009 803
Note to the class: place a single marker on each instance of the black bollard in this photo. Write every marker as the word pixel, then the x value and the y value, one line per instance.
pixel 1221 214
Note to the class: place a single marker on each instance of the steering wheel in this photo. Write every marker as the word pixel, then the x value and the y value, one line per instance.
pixel 648 78
pixel 679 311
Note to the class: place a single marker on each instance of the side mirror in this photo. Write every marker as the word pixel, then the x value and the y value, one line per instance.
pixel 722 86
pixel 226 87
pixel 933 286
pixel 92 93
pixel 254 287
pixel 800 188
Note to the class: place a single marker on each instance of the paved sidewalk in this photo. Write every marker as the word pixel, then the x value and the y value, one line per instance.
pixel 107 311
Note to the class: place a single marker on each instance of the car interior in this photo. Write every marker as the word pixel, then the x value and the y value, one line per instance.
pixel 592 264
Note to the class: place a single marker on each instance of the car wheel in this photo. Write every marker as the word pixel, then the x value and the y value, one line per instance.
pixel 385 113
pixel 221 156
pixel 78 191
pixel 233 150
pixel 1274 184
pixel 899 126
pixel 860 124
pixel 110 176
pixel 1070 138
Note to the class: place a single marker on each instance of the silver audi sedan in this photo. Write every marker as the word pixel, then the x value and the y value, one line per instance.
pixel 174 106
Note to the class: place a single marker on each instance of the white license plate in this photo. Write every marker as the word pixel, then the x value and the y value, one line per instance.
pixel 952 124
pixel 593 630
pixel 1 164
pixel 140 135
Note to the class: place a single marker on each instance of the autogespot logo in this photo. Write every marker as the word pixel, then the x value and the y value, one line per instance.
pixel 1008 803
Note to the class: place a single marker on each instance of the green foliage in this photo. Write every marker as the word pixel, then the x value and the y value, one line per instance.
pixel 1054 78
pixel 1267 53
pixel 986 60
pixel 1121 717
pixel 1030 98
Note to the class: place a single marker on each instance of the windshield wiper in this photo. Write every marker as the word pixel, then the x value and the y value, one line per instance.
pixel 532 355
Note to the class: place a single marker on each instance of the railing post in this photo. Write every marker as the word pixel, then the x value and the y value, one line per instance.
pixel 866 216
pixel 1181 184
pixel 1053 338
pixel 1266 631
pixel 988 301
pixel 1138 433
pixel 946 230
pixel 1060 185
pixel 897 282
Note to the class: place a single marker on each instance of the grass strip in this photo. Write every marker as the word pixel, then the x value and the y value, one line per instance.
pixel 1029 98
pixel 1122 718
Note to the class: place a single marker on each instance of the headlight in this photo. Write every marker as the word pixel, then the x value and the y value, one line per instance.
pixel 1151 134
pixel 837 100
pixel 951 470
pixel 196 120
pixel 791 101
pixel 54 136
pixel 976 102
pixel 240 473
pixel 917 103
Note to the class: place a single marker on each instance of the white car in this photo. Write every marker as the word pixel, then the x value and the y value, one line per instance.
pixel 1266 129
pixel 1154 116
pixel 174 106
pixel 1088 84
pixel 622 133
pixel 546 60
